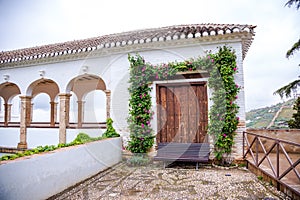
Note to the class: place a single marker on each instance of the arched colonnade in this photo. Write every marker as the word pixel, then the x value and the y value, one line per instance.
pixel 79 86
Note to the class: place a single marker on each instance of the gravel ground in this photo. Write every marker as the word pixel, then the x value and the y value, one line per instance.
pixel 177 182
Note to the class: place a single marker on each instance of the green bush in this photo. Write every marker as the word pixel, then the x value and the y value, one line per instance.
pixel 110 131
pixel 81 138
pixel 295 121
pixel 138 160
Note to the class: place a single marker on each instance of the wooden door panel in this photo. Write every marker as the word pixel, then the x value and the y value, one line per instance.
pixel 170 114
pixel 193 114
pixel 182 113
pixel 163 118
pixel 177 114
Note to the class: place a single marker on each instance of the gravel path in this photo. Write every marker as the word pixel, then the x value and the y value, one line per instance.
pixel 178 182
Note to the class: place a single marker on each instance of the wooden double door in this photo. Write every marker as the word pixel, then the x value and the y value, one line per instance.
pixel 182 112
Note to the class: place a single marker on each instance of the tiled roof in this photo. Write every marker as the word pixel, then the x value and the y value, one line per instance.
pixel 127 38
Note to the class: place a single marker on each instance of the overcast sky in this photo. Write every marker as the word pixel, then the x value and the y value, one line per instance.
pixel 28 23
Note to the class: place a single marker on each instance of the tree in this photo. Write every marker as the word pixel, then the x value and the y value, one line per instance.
pixel 296 46
pixel 287 89
pixel 295 121
pixel 291 2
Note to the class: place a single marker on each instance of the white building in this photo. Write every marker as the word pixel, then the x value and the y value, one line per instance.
pixel 87 80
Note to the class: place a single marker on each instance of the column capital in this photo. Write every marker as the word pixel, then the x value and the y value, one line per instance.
pixel 25 97
pixel 107 92
pixel 64 95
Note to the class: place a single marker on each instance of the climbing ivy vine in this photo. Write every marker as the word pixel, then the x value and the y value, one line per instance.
pixel 222 117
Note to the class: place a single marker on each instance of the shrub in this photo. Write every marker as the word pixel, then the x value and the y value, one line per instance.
pixel 110 131
pixel 138 160
pixel 295 121
pixel 81 138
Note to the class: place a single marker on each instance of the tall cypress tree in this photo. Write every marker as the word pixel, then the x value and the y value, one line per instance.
pixel 295 121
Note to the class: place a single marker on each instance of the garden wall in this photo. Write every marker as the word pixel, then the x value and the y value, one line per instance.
pixel 44 175
pixel 292 135
pixel 10 137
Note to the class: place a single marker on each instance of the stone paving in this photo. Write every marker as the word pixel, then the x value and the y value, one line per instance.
pixel 177 182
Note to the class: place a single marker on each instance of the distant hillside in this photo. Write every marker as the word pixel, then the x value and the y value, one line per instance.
pixel 272 117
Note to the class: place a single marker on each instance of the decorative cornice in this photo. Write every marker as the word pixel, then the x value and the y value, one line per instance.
pixel 129 41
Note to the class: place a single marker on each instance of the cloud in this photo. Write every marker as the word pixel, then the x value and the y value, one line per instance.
pixel 33 22
pixel 40 115
pixel 41 101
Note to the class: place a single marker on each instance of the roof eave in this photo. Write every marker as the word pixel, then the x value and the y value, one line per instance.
pixel 136 39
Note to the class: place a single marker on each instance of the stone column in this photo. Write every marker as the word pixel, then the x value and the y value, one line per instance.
pixel 31 112
pixel 55 112
pixel 107 92
pixel 25 120
pixel 7 113
pixel 80 116
pixel 64 110
pixel 53 115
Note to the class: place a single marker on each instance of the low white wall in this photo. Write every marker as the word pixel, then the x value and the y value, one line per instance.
pixel 10 137
pixel 44 175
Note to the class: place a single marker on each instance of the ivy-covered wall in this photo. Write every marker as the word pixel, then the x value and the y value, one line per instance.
pixel 118 73
pixel 223 119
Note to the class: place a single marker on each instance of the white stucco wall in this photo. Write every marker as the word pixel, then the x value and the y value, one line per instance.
pixel 114 70
pixel 42 176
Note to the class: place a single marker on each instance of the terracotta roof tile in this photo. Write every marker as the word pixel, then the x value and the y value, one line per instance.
pixel 125 38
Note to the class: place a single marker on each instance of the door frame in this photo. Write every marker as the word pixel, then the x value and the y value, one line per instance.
pixel 154 85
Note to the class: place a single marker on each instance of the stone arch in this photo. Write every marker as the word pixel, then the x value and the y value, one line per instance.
pixel 43 85
pixel 8 91
pixel 81 86
pixel 48 87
